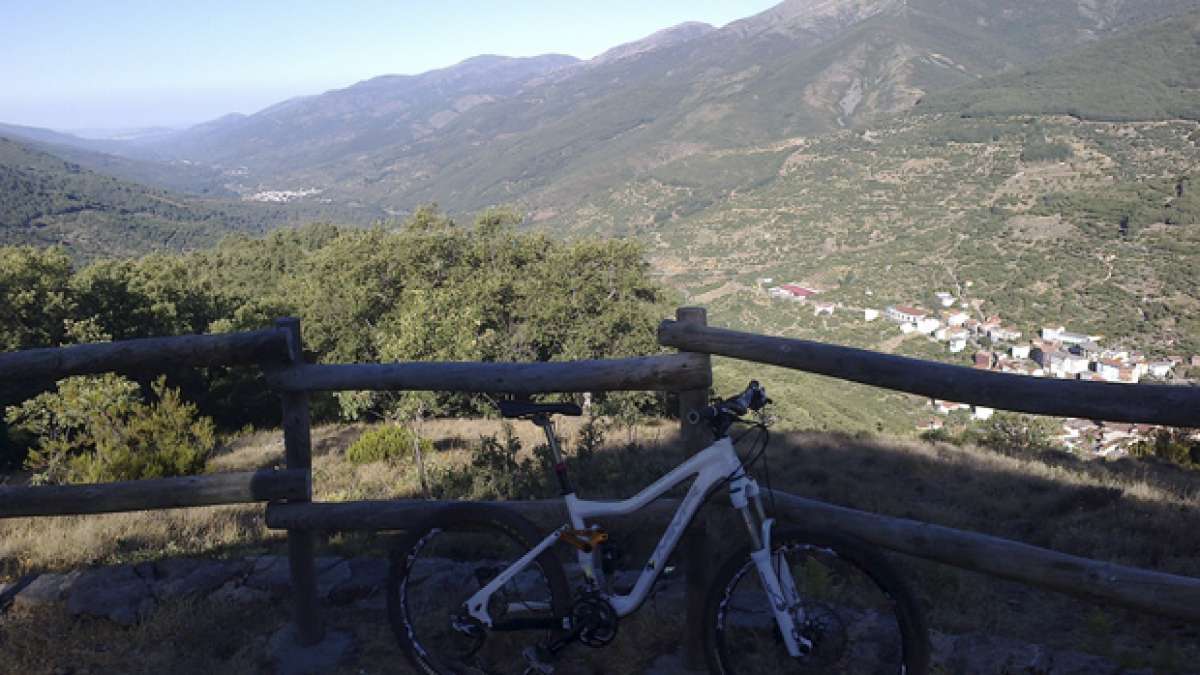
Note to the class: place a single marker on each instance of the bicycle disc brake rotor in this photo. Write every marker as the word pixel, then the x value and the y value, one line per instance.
pixel 826 630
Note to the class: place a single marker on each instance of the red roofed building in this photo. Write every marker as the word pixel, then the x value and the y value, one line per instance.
pixel 798 291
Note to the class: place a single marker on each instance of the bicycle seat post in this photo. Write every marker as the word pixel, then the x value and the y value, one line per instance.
pixel 560 467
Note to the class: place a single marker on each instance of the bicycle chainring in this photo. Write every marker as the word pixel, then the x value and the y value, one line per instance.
pixel 595 619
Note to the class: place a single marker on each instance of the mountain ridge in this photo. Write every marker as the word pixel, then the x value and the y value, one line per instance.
pixel 549 133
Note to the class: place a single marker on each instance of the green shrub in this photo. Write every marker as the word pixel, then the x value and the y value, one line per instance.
pixel 494 472
pixel 1172 445
pixel 98 429
pixel 1013 433
pixel 386 443
pixel 1043 151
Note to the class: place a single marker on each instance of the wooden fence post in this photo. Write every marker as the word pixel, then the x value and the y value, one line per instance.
pixel 297 445
pixel 696 545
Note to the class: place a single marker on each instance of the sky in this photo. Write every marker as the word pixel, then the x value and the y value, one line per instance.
pixel 120 64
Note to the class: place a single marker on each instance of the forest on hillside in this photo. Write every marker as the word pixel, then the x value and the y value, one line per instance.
pixel 430 289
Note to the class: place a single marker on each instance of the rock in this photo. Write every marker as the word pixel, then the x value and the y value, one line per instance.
pixel 9 590
pixel 332 577
pixel 978 653
pixel 368 577
pixel 290 658
pixel 670 664
pixel 236 594
pixel 45 589
pixel 114 592
pixel 270 573
pixel 184 577
pixel 373 603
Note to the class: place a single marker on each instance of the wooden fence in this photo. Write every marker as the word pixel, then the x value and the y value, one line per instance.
pixel 279 352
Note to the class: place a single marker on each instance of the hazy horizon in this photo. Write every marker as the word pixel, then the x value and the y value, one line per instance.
pixel 125 65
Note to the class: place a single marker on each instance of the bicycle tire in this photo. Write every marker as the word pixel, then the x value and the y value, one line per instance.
pixel 415 563
pixel 734 637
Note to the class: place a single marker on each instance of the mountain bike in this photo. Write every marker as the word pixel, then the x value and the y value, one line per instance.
pixel 478 589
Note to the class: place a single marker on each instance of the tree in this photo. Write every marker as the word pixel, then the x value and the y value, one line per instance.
pixel 1173 445
pixel 97 428
pixel 1011 432
pixel 35 296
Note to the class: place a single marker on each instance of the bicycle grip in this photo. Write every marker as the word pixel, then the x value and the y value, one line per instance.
pixel 706 413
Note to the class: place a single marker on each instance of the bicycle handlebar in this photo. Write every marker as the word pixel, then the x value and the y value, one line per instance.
pixel 753 398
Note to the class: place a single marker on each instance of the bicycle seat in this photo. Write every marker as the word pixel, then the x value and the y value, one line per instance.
pixel 527 409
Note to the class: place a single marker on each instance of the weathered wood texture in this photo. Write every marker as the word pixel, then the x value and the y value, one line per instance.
pixel 666 372
pixel 402 514
pixel 695 437
pixel 695 546
pixel 1148 591
pixel 1151 592
pixel 297 447
pixel 1177 406
pixel 158 493
pixel 143 355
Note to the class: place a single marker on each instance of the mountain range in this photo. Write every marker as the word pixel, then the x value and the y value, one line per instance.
pixel 1039 152
pixel 549 132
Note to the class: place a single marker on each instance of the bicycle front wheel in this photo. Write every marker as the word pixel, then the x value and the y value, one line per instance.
pixel 850 608
pixel 441 564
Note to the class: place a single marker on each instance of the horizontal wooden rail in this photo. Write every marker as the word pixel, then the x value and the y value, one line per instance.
pixel 158 493
pixel 1155 593
pixel 1177 406
pixel 1152 592
pixel 143 355
pixel 666 372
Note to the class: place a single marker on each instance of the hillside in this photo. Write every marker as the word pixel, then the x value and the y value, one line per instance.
pixel 346 123
pixel 1131 513
pixel 1149 73
pixel 50 201
pixel 1098 240
pixel 551 134
pixel 799 69
pixel 720 148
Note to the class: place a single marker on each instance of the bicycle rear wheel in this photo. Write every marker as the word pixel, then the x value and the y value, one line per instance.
pixel 849 604
pixel 442 563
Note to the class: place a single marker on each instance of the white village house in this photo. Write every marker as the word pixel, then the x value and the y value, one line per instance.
pixel 1159 369
pixel 904 314
pixel 982 413
pixel 956 318
pixel 928 325
pixel 1062 335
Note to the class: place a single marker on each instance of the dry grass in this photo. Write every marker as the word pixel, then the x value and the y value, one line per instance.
pixel 1128 512
pixel 186 637
pixel 52 544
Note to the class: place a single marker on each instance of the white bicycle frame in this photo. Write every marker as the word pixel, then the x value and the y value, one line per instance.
pixel 711 466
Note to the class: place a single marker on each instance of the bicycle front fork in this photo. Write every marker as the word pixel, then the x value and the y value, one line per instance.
pixel 774 572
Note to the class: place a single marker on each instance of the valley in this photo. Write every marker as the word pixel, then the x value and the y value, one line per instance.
pixel 877 149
